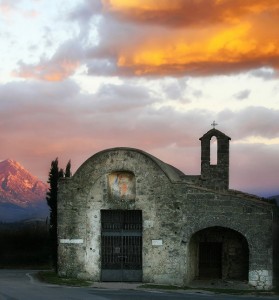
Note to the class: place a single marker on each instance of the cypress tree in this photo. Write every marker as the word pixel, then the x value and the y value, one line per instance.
pixel 68 169
pixel 54 175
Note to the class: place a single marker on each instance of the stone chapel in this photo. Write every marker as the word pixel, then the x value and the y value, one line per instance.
pixel 127 216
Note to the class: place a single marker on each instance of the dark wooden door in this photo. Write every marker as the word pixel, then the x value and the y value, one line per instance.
pixel 121 245
pixel 210 260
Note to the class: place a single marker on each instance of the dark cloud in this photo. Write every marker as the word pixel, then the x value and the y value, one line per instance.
pixel 62 65
pixel 84 11
pixel 121 98
pixel 102 67
pixel 31 93
pixel 180 13
pixel 242 95
pixel 175 88
pixel 265 73
pixel 254 168
pixel 251 121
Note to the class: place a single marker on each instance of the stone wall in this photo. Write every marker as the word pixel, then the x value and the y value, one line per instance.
pixel 252 219
pixel 172 211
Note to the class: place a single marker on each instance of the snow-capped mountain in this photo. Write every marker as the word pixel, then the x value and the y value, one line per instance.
pixel 22 195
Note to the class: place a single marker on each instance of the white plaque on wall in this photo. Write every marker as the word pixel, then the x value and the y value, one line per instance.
pixel 157 242
pixel 71 241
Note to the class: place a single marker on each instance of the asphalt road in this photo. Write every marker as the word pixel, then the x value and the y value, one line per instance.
pixel 20 285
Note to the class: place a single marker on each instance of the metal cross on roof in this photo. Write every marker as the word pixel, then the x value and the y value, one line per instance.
pixel 214 124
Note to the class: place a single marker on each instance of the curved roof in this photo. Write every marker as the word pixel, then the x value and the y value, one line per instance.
pixel 171 172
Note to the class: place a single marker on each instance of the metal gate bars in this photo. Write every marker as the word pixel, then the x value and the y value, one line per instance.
pixel 121 245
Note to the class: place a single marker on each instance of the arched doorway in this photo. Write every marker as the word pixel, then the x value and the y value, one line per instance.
pixel 218 252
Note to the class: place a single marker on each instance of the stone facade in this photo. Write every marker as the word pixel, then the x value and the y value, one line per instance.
pixel 181 216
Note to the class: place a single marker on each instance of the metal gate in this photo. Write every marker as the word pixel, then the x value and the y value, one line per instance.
pixel 121 245
pixel 210 260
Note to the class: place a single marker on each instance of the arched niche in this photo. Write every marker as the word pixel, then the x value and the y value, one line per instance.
pixel 218 252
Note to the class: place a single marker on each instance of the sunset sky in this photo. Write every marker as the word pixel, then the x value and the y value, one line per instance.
pixel 80 76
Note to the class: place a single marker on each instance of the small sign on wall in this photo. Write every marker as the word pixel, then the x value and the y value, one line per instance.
pixel 71 241
pixel 157 242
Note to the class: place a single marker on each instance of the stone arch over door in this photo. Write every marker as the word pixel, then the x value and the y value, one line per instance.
pixel 218 252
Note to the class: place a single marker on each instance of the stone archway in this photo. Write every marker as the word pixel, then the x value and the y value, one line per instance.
pixel 218 252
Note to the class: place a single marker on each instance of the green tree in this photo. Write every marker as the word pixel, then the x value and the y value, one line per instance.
pixel 68 169
pixel 60 174
pixel 54 175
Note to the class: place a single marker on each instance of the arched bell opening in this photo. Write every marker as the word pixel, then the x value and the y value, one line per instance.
pixel 213 150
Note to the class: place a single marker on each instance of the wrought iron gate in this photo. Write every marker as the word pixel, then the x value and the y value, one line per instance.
pixel 121 245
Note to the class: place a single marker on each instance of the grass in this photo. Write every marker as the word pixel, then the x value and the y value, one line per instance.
pixel 52 278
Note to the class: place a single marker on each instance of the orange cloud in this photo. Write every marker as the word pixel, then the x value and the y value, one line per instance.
pixel 50 71
pixel 238 35
pixel 185 12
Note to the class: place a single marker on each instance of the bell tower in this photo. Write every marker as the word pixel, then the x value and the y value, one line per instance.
pixel 215 175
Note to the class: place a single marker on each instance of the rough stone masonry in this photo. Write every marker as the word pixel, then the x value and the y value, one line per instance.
pixel 127 216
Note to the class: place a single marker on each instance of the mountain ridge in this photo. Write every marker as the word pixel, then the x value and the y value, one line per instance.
pixel 22 195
